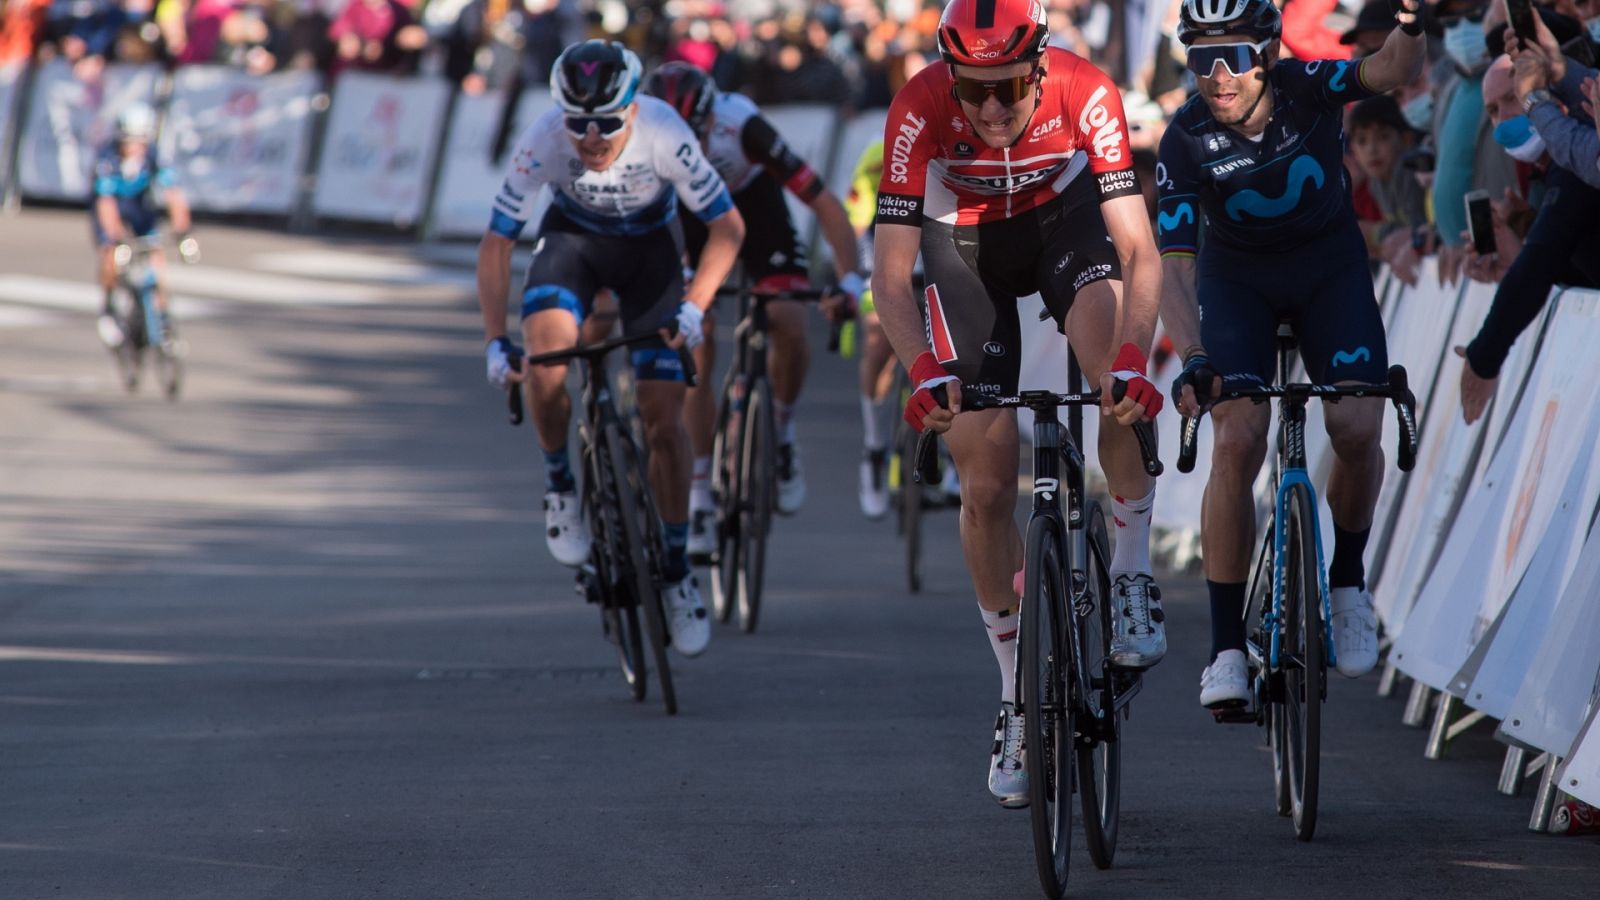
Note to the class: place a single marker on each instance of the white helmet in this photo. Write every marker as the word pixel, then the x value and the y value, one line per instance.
pixel 136 123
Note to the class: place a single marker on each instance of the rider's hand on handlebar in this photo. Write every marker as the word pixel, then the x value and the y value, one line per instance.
pixel 504 361
pixel 685 327
pixel 1142 401
pixel 923 412
pixel 1194 387
pixel 188 248
pixel 844 299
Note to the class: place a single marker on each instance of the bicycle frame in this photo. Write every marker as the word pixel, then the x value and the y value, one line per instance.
pixel 1289 471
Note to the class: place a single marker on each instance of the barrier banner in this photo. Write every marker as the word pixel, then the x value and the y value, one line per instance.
pixel 1504 520
pixel 239 141
pixel 10 97
pixel 1560 681
pixel 1580 776
pixel 808 129
pixel 379 148
pixel 468 179
pixel 853 140
pixel 69 120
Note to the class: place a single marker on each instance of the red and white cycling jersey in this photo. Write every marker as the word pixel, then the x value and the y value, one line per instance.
pixel 935 166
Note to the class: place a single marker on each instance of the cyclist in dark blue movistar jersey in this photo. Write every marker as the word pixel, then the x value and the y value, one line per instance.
pixel 1256 227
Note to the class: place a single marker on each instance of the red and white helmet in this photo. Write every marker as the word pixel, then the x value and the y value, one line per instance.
pixel 992 32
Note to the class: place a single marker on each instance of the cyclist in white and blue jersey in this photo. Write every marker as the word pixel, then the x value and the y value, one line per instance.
pixel 617 165
pixel 1257 158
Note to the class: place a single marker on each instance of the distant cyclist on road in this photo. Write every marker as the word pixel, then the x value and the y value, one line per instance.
pixel 1008 165
pixel 1258 157
pixel 757 165
pixel 122 207
pixel 618 166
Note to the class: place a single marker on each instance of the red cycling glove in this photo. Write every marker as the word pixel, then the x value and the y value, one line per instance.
pixel 1129 368
pixel 926 374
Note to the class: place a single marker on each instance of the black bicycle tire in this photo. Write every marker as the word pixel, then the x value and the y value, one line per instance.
pixel 130 353
pixel 724 487
pixel 622 615
pixel 1100 762
pixel 1050 750
pixel 759 460
pixel 631 482
pixel 911 508
pixel 1306 689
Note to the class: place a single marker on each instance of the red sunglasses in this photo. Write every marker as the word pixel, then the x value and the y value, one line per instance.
pixel 1007 90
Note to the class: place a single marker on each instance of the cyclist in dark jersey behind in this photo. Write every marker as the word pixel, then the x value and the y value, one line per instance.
pixel 757 165
pixel 1008 166
pixel 1258 157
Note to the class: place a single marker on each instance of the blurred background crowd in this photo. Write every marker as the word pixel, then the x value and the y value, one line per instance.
pixel 1459 128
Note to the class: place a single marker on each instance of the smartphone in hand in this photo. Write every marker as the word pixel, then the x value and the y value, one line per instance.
pixel 1520 14
pixel 1480 222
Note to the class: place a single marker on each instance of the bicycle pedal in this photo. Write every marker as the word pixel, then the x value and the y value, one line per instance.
pixel 1234 715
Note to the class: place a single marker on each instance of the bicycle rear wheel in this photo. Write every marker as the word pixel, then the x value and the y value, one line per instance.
pixel 129 355
pixel 1099 749
pixel 633 503
pixel 1302 665
pixel 1047 710
pixel 759 462
pixel 911 494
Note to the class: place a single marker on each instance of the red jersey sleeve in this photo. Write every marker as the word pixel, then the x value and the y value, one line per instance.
pixel 1096 105
pixel 910 142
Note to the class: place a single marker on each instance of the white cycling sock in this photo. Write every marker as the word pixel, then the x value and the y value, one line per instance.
pixel 1131 522
pixel 700 485
pixel 871 422
pixel 1002 629
pixel 783 417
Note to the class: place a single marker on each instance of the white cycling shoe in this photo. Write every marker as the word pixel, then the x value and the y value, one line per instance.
pixel 110 332
pixel 1225 683
pixel 687 620
pixel 874 489
pixel 791 479
pixel 1008 779
pixel 1355 631
pixel 702 525
pixel 565 532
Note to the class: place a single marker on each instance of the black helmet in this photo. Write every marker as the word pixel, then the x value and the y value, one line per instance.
pixel 686 89
pixel 595 77
pixel 1257 19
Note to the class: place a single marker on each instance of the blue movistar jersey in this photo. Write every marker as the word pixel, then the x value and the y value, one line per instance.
pixel 1272 195
pixel 132 183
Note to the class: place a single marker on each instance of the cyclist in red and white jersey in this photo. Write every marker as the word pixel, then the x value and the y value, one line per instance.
pixel 1008 166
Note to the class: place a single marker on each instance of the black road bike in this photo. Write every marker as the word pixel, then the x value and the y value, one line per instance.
pixel 1288 616
pixel 144 329
pixel 744 470
pixel 1067 690
pixel 623 575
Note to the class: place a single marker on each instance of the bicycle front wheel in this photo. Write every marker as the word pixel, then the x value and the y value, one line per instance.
pixel 911 494
pixel 129 354
pixel 619 613
pixel 634 506
pixel 1302 664
pixel 759 462
pixel 1100 749
pixel 725 488
pixel 1047 710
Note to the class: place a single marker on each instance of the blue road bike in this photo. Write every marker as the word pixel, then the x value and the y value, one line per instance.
pixel 1291 645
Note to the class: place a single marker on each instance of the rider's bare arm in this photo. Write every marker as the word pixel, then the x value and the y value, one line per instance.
pixel 1399 60
pixel 841 238
pixel 494 281
pixel 725 234
pixel 105 207
pixel 178 209
pixel 894 256
pixel 1128 223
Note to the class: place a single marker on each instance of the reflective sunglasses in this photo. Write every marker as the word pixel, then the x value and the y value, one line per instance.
pixel 1236 58
pixel 1007 90
pixel 609 126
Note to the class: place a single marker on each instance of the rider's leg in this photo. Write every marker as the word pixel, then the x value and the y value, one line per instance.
pixel 984 447
pixel 1228 515
pixel 158 264
pixel 700 411
pixel 106 269
pixel 788 362
pixel 876 357
pixel 661 408
pixel 1354 428
pixel 545 330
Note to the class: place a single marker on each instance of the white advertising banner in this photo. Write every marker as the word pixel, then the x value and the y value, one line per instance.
pixel 1504 520
pixel 1580 776
pixel 379 147
pixel 238 141
pixel 10 96
pixel 69 120
pixel 1560 680
pixel 808 130
pixel 854 137
pixel 468 178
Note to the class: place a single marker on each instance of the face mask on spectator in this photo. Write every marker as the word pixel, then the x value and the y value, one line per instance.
pixel 1519 139
pixel 1419 112
pixel 1594 30
pixel 1465 44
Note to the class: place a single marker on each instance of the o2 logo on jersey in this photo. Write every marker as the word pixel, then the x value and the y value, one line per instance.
pixel 1107 138
pixel 1163 180
pixel 1045 129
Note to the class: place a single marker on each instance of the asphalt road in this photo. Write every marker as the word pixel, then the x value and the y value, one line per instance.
pixel 297 635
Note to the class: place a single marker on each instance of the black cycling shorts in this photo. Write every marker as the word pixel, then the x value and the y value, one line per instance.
pixel 975 273
pixel 1322 288
pixel 571 264
pixel 771 251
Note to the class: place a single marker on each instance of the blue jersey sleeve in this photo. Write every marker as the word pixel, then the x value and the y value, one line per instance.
pixel 1177 177
pixel 1329 83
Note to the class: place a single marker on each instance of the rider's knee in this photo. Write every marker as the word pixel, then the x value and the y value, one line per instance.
pixel 988 496
pixel 1354 431
pixel 1240 445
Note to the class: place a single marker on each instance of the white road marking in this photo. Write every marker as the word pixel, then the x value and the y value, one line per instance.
pixel 339 266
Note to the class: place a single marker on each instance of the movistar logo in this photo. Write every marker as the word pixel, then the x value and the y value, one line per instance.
pixel 1336 83
pixel 1343 358
pixel 1183 214
pixel 1263 207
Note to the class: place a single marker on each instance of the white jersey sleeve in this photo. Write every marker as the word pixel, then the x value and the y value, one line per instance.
pixel 529 171
pixel 681 162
